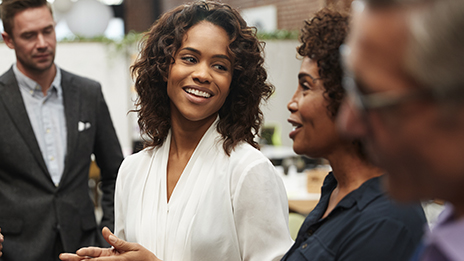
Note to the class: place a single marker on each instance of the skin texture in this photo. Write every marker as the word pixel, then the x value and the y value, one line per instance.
pixel 315 134
pixel 412 141
pixel 34 41
pixel 121 251
pixel 201 63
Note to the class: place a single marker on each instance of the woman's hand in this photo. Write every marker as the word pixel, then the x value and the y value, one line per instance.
pixel 121 251
pixel 1 242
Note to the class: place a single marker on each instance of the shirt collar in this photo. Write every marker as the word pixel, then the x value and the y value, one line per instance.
pixel 447 234
pixel 33 87
pixel 362 196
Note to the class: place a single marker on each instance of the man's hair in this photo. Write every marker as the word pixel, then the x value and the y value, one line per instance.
pixel 240 117
pixel 435 53
pixel 9 8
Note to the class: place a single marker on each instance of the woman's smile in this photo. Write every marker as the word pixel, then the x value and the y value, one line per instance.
pixel 200 76
pixel 197 92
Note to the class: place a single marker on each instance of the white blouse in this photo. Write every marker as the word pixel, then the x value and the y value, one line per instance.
pixel 222 208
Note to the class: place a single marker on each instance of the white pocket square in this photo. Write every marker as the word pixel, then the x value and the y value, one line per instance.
pixel 82 126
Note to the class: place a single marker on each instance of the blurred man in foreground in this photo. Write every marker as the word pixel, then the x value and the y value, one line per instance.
pixel 406 102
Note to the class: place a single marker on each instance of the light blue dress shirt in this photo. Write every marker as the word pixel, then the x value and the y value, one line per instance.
pixel 47 117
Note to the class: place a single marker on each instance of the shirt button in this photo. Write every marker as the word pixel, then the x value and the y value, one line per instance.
pixel 52 158
pixel 47 130
pixel 304 246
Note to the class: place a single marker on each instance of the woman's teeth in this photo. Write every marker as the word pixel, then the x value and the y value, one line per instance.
pixel 198 92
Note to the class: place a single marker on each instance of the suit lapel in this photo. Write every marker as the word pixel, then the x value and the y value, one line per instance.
pixel 14 104
pixel 71 101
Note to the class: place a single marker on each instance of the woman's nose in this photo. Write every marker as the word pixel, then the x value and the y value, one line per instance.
pixel 202 73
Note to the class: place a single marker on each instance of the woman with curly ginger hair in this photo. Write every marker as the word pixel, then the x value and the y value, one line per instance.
pixel 354 219
pixel 200 190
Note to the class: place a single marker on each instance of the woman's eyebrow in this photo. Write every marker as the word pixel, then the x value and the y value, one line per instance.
pixel 221 56
pixel 302 75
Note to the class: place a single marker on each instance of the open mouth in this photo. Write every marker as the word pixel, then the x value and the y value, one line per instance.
pixel 296 127
pixel 197 92
pixel 294 131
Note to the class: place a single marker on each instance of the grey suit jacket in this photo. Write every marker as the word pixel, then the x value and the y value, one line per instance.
pixel 32 208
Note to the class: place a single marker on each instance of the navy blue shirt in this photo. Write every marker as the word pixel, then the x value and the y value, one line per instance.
pixel 365 225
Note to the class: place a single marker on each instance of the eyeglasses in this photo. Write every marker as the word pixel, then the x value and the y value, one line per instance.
pixel 380 100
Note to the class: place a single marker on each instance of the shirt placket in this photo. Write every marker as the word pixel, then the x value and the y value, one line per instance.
pixel 48 130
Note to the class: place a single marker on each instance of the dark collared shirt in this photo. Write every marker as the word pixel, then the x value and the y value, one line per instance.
pixel 365 225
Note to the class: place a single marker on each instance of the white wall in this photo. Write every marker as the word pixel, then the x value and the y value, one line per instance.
pixel 282 67
pixel 100 62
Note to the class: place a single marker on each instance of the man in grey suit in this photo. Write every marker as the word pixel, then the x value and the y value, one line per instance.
pixel 51 122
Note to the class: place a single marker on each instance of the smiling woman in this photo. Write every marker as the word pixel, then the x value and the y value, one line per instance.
pixel 200 190
pixel 354 219
pixel 200 77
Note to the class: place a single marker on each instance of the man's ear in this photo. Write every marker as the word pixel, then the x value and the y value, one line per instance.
pixel 8 40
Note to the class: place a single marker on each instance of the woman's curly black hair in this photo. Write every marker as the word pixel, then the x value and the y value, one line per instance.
pixel 321 38
pixel 240 117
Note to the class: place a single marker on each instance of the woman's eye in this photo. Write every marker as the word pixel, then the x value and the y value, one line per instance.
pixel 305 85
pixel 221 67
pixel 188 59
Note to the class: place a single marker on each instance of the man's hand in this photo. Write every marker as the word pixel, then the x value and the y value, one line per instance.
pixel 121 251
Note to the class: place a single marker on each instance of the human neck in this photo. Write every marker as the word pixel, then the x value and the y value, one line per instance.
pixel 185 135
pixel 350 170
pixel 43 78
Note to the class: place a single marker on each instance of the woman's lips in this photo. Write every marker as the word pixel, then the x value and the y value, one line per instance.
pixel 294 132
pixel 197 96
pixel 296 128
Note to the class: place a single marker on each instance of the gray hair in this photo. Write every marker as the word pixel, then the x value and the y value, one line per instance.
pixel 435 55
pixel 435 52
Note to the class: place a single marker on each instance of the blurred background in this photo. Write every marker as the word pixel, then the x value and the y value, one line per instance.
pixel 98 39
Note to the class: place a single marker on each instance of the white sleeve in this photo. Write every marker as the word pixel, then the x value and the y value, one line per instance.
pixel 120 201
pixel 261 213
